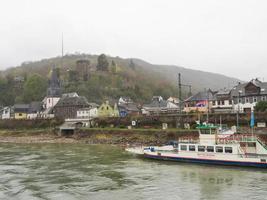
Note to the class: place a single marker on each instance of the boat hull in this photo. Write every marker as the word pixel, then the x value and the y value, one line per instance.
pixel 207 161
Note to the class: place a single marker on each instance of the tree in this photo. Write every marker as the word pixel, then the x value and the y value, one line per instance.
pixel 34 88
pixel 261 106
pixel 102 63
pixel 73 76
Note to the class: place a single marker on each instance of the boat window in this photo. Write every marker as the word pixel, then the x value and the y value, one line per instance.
pixel 210 148
pixel 219 149
pixel 183 147
pixel 228 149
pixel 251 144
pixel 205 131
pixel 201 148
pixel 192 148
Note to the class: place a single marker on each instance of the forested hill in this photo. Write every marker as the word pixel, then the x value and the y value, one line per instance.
pixel 102 77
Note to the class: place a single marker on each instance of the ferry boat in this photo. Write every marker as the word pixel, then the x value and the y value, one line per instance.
pixel 212 148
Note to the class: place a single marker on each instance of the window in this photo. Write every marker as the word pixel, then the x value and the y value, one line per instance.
pixel 107 107
pixel 263 98
pixel 192 148
pixel 214 103
pixel 205 131
pixel 254 99
pixel 20 114
pixel 230 102
pixel 201 148
pixel 219 149
pixel 219 102
pixel 222 102
pixel 247 100
pixel 228 149
pixel 183 148
pixel 252 144
pixel 210 148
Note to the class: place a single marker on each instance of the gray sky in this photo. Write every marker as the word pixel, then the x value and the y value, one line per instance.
pixel 222 36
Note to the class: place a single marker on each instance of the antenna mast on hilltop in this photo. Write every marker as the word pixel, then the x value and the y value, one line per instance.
pixel 62 50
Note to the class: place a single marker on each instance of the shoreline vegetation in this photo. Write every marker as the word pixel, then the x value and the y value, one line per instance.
pixel 114 136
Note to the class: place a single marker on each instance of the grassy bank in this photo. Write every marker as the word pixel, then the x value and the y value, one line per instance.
pixel 95 136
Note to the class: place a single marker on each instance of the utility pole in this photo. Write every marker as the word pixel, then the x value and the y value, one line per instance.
pixel 208 98
pixel 180 93
pixel 238 109
pixel 180 85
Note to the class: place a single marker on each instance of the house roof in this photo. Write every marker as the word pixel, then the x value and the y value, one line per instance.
pixel 156 104
pixel 35 106
pixel 129 107
pixel 21 107
pixel 71 94
pixel 72 101
pixel 241 87
pixel 93 105
pixel 200 96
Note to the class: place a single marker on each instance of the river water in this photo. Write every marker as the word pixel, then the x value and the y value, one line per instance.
pixel 75 171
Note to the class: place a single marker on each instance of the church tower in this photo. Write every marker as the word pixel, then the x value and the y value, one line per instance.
pixel 53 90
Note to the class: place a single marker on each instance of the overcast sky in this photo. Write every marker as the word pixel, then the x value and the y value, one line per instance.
pixel 222 36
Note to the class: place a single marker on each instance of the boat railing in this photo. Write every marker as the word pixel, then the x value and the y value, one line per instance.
pixel 262 143
pixel 254 155
pixel 188 140
pixel 237 138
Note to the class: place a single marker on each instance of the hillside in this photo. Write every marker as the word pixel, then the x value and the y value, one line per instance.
pixel 125 77
pixel 198 79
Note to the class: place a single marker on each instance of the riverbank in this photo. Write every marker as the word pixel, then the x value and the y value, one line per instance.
pixel 116 136
pixel 95 136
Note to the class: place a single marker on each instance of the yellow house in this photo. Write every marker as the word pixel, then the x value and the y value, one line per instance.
pixel 21 110
pixel 106 110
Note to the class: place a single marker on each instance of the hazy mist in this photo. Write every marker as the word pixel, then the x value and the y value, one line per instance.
pixel 227 37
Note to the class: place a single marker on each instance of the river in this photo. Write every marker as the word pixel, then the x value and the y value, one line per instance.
pixel 77 171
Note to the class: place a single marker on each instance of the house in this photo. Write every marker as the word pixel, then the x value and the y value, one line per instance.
pixel 106 110
pixel 125 100
pixel 90 112
pixel 246 95
pixel 173 100
pixel 20 111
pixel 128 109
pixel 35 109
pixel 68 106
pixel 6 112
pixel 222 102
pixel 200 102
pixel 159 106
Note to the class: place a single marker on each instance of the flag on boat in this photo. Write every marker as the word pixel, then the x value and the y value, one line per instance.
pixel 252 119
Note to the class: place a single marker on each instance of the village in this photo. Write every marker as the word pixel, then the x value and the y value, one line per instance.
pixel 72 108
